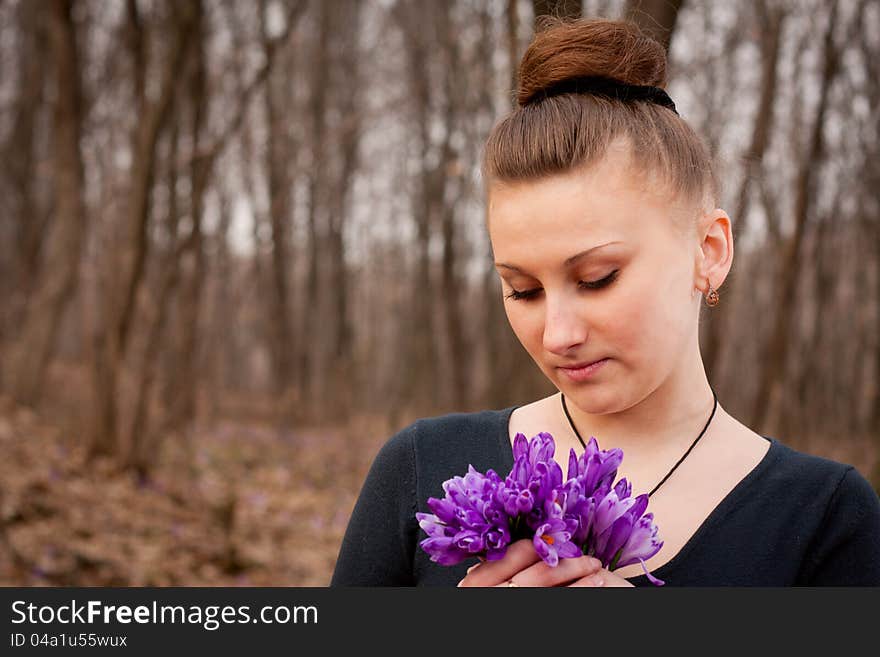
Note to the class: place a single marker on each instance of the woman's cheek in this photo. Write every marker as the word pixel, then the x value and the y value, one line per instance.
pixel 526 326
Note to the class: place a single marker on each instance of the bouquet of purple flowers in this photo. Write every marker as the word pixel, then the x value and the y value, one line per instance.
pixel 587 513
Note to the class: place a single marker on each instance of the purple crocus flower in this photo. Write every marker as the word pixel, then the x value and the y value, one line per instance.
pixel 610 508
pixel 468 521
pixel 541 448
pixel 546 485
pixel 553 540
pixel 619 524
pixel 585 513
pixel 595 466
pixel 533 476
pixel 641 544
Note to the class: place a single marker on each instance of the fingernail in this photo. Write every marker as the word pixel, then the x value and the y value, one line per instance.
pixel 459 584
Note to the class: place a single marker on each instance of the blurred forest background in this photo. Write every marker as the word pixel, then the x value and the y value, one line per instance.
pixel 242 243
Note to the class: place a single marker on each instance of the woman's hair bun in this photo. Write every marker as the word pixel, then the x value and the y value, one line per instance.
pixel 564 49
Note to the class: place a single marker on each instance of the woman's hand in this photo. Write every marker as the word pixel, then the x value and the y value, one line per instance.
pixel 522 566
pixel 602 577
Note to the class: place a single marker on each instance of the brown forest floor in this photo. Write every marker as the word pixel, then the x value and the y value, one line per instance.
pixel 252 509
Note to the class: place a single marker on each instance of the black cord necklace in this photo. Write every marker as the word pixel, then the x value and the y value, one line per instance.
pixel 662 481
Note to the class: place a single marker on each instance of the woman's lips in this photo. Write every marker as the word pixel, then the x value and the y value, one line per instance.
pixel 584 372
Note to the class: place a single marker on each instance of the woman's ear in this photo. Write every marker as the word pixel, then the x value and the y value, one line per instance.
pixel 715 257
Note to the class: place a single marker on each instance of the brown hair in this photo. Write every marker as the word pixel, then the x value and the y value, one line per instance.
pixel 545 136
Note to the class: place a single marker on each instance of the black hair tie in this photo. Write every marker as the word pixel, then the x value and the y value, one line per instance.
pixel 610 88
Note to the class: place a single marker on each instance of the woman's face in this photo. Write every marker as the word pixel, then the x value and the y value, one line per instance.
pixel 593 268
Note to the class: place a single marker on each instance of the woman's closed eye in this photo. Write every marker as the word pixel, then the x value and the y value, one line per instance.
pixel 588 285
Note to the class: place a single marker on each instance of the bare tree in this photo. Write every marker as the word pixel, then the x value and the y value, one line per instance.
pixel 566 9
pixel 422 354
pixel 317 179
pixel 112 331
pixel 869 207
pixel 140 455
pixel 278 154
pixel 657 18
pixel 64 245
pixel 494 322
pixel 348 83
pixel 185 377
pixel 202 163
pixel 776 352
pixel 770 21
pixel 452 170
pixel 26 215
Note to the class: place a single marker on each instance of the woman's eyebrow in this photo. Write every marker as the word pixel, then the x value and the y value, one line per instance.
pixel 569 261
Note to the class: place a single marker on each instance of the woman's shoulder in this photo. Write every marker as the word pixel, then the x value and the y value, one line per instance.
pixel 831 488
pixel 835 509
pixel 792 464
pixel 441 446
pixel 449 429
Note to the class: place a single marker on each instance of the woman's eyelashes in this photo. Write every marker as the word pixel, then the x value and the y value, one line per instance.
pixel 588 285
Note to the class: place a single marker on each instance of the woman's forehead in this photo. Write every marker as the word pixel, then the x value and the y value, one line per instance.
pixel 609 191
pixel 592 208
pixel 534 224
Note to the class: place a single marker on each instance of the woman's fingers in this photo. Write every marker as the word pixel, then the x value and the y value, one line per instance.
pixel 522 564
pixel 520 554
pixel 602 577
pixel 596 579
pixel 567 570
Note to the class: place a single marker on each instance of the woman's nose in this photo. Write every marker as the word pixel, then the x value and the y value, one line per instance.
pixel 563 329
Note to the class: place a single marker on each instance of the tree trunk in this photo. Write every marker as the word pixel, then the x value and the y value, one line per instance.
pixel 567 9
pixel 776 352
pixel 26 216
pixel 310 349
pixel 64 244
pixel 719 324
pixel 451 170
pixel 221 341
pixel 278 155
pixel 810 379
pixel 187 374
pixel 512 42
pixel 153 117
pixel 140 455
pixel 422 357
pixel 870 213
pixel 874 420
pixel 657 18
pixel 349 133
pixel 112 333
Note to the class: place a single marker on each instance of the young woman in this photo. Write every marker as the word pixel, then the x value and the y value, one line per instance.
pixel 607 238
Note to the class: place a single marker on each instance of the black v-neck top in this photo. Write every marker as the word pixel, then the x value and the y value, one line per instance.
pixel 794 520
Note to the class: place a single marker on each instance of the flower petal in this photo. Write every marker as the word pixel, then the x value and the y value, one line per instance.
pixel 642 543
pixel 572 465
pixel 654 580
pixel 568 550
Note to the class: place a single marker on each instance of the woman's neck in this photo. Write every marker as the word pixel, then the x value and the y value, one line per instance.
pixel 669 419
